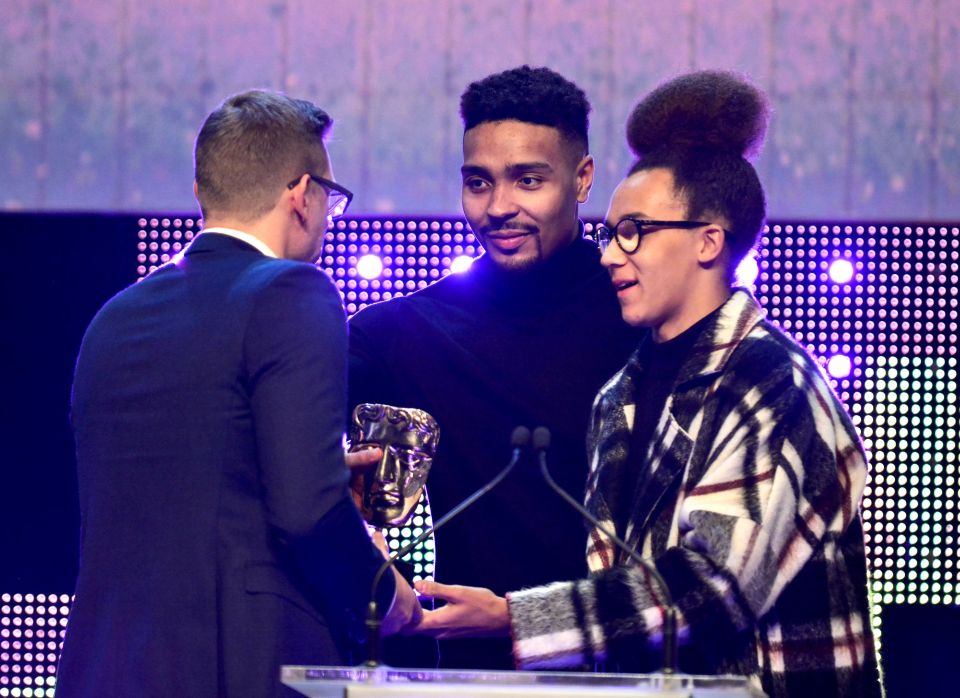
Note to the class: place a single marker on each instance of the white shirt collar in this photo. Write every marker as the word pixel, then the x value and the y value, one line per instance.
pixel 251 240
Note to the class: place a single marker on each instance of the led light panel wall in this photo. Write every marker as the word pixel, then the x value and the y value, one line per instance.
pixel 31 635
pixel 876 305
pixel 883 300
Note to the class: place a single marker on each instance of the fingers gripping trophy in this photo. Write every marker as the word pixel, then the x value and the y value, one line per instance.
pixel 388 493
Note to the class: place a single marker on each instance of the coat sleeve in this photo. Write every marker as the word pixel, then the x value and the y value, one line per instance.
pixel 781 480
pixel 295 353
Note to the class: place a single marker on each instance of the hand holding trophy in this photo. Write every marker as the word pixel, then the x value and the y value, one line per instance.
pixel 387 492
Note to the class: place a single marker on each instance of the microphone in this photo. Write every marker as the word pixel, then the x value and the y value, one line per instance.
pixel 519 439
pixel 541 442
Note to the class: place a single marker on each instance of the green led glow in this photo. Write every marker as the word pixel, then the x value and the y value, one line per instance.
pixel 421 557
pixel 908 415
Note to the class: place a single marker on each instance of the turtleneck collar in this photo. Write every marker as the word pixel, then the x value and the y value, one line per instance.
pixel 557 278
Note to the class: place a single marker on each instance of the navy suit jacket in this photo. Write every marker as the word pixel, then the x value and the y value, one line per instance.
pixel 218 538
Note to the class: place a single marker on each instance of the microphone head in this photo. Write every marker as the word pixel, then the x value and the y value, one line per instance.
pixel 520 437
pixel 541 438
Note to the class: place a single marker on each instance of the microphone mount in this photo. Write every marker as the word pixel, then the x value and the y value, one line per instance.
pixel 541 442
pixel 519 439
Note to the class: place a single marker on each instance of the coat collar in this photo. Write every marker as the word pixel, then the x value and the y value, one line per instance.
pixel 737 318
pixel 712 350
pixel 215 242
pixel 564 276
pixel 617 400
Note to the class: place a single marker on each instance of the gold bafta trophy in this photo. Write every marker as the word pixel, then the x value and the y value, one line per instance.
pixel 387 494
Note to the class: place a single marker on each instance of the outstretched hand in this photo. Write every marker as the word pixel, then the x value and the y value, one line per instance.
pixel 469 612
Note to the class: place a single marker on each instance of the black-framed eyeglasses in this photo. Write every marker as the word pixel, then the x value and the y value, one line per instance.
pixel 338 197
pixel 628 231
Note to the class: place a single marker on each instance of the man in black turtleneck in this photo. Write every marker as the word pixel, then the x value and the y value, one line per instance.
pixel 526 337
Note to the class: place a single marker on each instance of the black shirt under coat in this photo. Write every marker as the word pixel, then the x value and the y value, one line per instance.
pixel 660 363
pixel 485 351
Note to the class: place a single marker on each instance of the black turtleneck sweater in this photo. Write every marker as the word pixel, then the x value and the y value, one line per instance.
pixel 661 363
pixel 483 352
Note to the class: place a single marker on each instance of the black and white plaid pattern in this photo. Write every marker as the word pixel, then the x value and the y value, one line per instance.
pixel 750 512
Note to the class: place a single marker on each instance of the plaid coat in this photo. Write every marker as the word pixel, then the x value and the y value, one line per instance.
pixel 749 510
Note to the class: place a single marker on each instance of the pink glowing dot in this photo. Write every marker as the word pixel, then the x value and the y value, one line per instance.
pixel 369 266
pixel 839 366
pixel 841 271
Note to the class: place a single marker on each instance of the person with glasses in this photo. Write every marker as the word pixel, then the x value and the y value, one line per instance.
pixel 219 538
pixel 525 337
pixel 719 452
pixel 338 196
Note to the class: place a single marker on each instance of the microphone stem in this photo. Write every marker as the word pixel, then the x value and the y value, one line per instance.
pixel 372 624
pixel 669 612
pixel 374 621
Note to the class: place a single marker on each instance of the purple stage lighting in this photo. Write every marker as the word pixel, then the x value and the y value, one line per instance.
pixel 841 271
pixel 369 266
pixel 839 366
pixel 747 270
pixel 461 263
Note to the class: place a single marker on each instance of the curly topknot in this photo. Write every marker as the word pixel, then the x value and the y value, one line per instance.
pixel 703 109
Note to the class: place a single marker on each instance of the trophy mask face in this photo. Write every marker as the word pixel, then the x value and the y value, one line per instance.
pixel 408 438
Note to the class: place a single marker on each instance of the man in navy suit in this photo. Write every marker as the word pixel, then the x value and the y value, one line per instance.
pixel 219 540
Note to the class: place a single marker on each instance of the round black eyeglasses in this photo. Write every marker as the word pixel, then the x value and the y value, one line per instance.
pixel 628 231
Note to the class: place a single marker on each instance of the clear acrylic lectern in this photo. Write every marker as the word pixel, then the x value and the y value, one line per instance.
pixel 387 682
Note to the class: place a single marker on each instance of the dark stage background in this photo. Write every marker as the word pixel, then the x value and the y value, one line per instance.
pixel 895 320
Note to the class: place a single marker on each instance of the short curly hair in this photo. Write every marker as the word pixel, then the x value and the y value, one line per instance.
pixel 703 127
pixel 532 95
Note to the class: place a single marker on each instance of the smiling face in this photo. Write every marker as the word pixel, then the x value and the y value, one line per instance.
pixel 521 186
pixel 676 276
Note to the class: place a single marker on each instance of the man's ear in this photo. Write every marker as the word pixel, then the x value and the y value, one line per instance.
pixel 712 244
pixel 297 196
pixel 585 169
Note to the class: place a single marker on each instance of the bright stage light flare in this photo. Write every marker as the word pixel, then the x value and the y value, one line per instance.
pixel 841 271
pixel 839 366
pixel 369 266
pixel 461 264
pixel 747 271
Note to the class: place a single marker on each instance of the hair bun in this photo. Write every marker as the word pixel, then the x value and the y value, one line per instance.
pixel 713 109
